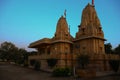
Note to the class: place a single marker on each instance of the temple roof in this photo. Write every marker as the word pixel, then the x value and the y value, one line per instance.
pixel 89 16
pixel 62 33
pixel 90 26
pixel 62 25
pixel 39 42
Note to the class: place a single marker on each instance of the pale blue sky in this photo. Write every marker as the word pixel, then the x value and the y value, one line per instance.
pixel 25 21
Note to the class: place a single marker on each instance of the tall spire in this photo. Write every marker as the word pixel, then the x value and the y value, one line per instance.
pixel 89 16
pixel 62 30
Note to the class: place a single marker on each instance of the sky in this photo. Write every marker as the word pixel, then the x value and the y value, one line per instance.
pixel 26 21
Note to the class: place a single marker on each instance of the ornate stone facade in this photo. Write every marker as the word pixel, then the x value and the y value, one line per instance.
pixel 89 40
pixel 90 37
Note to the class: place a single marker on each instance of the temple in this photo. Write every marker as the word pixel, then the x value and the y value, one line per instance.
pixel 89 40
pixel 90 37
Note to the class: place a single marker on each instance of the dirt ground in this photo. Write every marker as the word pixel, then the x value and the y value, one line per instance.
pixel 13 72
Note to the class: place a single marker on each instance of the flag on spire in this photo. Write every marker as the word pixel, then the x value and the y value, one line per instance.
pixel 65 13
pixel 92 2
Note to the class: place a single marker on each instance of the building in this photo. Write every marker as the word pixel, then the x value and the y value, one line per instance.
pixel 89 40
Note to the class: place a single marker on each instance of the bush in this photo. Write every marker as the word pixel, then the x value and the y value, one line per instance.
pixel 114 64
pixel 37 65
pixel 52 62
pixel 61 72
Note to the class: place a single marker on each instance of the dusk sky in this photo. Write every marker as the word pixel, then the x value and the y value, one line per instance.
pixel 25 21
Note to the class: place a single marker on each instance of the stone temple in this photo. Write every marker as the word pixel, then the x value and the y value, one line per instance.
pixel 89 40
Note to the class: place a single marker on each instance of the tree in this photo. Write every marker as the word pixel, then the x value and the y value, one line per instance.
pixel 2 55
pixel 23 56
pixel 117 50
pixel 8 49
pixel 9 52
pixel 83 60
pixel 108 48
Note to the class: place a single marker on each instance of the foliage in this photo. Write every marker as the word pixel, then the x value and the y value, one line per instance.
pixel 19 57
pixel 117 50
pixel 83 60
pixel 52 62
pixel 58 72
pixel 37 65
pixel 108 48
pixel 8 49
pixel 2 55
pixel 9 52
pixel 114 64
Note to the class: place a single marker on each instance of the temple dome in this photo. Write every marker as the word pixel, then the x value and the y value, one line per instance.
pixel 62 26
pixel 90 23
pixel 62 30
pixel 89 16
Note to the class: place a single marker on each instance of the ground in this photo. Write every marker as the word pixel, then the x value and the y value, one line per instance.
pixel 14 72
